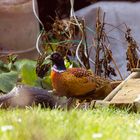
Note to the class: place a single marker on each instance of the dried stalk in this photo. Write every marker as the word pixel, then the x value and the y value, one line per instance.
pixel 103 56
pixel 99 33
pixel 85 53
pixel 131 53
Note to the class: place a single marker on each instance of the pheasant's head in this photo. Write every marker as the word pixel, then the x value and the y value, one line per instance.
pixel 58 61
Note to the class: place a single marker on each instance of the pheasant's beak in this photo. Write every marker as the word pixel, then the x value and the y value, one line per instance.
pixel 48 57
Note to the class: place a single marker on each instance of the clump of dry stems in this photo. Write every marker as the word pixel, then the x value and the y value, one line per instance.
pixel 132 51
pixel 103 52
pixel 64 38
pixel 69 38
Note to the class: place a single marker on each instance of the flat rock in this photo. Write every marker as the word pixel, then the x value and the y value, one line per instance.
pixel 128 93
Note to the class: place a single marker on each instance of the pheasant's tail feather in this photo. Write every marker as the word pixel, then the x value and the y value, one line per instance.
pixel 101 82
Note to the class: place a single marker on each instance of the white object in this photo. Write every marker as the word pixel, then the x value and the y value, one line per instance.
pixel 116 13
pixel 6 128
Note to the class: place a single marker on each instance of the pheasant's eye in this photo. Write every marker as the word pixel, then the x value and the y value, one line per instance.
pixel 55 56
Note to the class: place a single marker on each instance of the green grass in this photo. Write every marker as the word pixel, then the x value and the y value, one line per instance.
pixel 45 124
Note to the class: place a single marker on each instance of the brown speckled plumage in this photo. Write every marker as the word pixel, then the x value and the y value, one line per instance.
pixel 73 82
pixel 76 82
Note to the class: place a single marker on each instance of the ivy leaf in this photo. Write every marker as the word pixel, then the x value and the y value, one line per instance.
pixel 46 83
pixel 20 63
pixel 3 67
pixel 67 63
pixel 8 81
pixel 28 75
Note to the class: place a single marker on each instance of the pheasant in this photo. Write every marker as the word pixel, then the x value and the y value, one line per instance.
pixel 73 82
